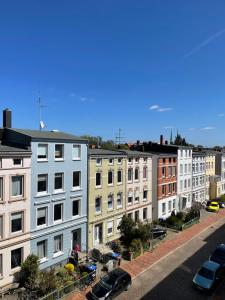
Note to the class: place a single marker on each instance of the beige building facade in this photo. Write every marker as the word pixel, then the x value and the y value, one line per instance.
pixel 106 195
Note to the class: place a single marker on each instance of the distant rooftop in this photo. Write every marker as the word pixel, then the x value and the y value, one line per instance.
pixel 135 153
pixel 104 152
pixel 5 149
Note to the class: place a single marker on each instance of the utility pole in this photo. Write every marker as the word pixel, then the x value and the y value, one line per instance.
pixel 119 138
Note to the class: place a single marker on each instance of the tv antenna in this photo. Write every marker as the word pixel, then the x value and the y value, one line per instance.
pixel 119 137
pixel 41 122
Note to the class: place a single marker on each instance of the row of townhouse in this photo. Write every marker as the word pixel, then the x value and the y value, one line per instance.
pixel 55 193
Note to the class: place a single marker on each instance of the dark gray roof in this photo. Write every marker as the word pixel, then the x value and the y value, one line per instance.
pixel 103 152
pixel 162 154
pixel 7 150
pixel 198 153
pixel 134 153
pixel 48 135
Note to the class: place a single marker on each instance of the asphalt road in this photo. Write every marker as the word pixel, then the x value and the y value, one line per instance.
pixel 171 278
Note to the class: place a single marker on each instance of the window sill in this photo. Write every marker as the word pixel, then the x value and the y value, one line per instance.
pixel 110 184
pixel 98 213
pixel 57 254
pixel 39 195
pixel 77 159
pixel 42 160
pixel 76 217
pixel 43 260
pixel 41 226
pixel 57 222
pixel 15 200
pixel 98 186
pixel 59 159
pixel 57 192
pixel 129 204
pixel 119 183
pixel 75 189
pixel 119 207
pixel 110 210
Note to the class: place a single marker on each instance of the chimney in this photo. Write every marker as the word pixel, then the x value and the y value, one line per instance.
pixel 7 118
pixel 166 142
pixel 161 139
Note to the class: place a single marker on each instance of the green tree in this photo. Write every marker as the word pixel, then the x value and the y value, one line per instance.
pixel 127 229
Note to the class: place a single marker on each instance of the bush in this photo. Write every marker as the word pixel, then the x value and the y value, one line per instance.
pixel 180 215
pixel 28 275
pixel 47 282
pixel 127 229
pixel 136 247
pixel 116 247
pixel 192 214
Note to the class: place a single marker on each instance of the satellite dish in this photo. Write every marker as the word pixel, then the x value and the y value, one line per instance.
pixel 42 125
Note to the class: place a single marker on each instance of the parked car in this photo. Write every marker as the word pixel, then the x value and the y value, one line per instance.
pixel 221 204
pixel 218 255
pixel 214 207
pixel 111 285
pixel 158 232
pixel 208 276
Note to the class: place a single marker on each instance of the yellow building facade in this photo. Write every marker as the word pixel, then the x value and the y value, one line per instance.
pixel 106 195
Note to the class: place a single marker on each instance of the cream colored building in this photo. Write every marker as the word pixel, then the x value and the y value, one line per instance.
pixel 14 211
pixel 210 169
pixel 106 195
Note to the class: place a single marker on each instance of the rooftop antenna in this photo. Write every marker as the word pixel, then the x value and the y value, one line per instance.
pixel 41 122
pixel 119 138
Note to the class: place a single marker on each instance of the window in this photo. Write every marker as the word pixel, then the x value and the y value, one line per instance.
pixel 110 228
pixel 59 181
pixel 164 160
pixel 119 160
pixel 145 213
pixel 98 205
pixel 98 179
pixel 136 215
pixel 16 257
pixel 42 249
pixel 1 227
pixel 145 194
pixel 76 208
pixel 1 266
pixel 59 151
pixel 110 202
pixel 110 161
pixel 1 189
pixel 163 189
pixel 42 183
pixel 98 161
pixel 181 185
pixel 77 180
pixel 181 169
pixel 185 169
pixel 42 214
pixel 16 222
pixel 136 174
pixel 58 243
pixel 174 159
pixel 129 215
pixel 17 162
pixel 119 200
pixel 136 160
pixel 174 187
pixel 58 212
pixel 185 184
pixel 169 160
pixel 169 205
pixel 130 199
pixel 130 160
pixel 144 172
pixel 42 152
pixel 76 152
pixel 118 222
pixel 163 172
pixel 173 203
pixel 17 186
pixel 130 174
pixel 189 168
pixel 170 171
pixel 119 176
pixel 170 188
pixel 174 171
pixel 110 177
pixel 163 208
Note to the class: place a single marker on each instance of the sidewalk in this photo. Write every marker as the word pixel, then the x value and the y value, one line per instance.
pixel 147 260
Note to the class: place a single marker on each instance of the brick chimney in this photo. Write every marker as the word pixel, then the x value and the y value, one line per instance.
pixel 7 118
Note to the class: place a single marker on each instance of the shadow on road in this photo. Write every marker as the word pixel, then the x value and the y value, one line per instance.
pixel 178 285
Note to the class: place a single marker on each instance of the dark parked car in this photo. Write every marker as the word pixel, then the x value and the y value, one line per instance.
pixel 111 285
pixel 218 255
pixel 158 232
pixel 221 204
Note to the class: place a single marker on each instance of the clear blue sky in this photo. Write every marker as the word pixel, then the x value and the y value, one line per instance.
pixel 100 65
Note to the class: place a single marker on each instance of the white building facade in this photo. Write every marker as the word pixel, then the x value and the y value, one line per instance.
pixel 198 177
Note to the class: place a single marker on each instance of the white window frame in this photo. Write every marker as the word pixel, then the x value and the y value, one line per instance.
pixel 1 227
pixel 121 172
pixel 22 257
pixel 22 194
pixel 1 265
pixel 59 252
pixel 59 158
pixel 98 186
pixel 98 161
pixel 62 212
pixel 110 196
pixel 100 210
pixel 111 222
pixel 46 216
pixel 61 189
pixel 46 146
pixel 45 258
pixel 79 208
pixel 22 222
pixel 80 184
pixel 111 163
pixel 42 192
pixel 79 152
pixel 1 189
pixel 121 200
pixel 18 165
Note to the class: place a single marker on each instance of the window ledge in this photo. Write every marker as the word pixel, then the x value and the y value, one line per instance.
pixel 98 213
pixel 57 254
pixel 56 192
pixel 77 159
pixel 98 186
pixel 43 260
pixel 17 198
pixel 42 195
pixel 110 184
pixel 119 207
pixel 42 160
pixel 59 159
pixel 110 210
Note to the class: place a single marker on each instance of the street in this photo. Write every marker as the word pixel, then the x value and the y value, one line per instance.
pixel 171 278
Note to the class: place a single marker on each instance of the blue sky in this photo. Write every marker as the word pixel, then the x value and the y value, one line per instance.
pixel 143 66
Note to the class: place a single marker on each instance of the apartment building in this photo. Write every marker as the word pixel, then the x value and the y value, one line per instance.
pixel 58 208
pixel 139 185
pixel 15 164
pixel 198 176
pixel 220 171
pixel 166 186
pixel 210 163
pixel 106 195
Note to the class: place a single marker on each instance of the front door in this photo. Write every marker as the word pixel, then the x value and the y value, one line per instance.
pixel 98 234
pixel 76 238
